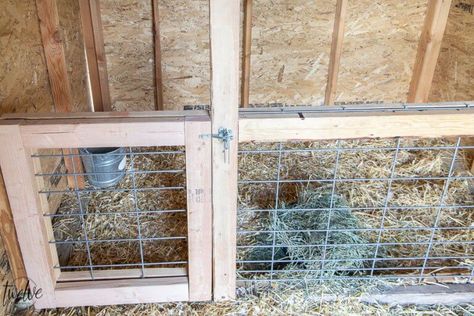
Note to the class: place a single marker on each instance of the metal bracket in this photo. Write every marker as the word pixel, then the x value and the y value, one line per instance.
pixel 226 136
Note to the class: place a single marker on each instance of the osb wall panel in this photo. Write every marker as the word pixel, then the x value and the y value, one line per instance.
pixel 70 24
pixel 24 83
pixel 290 51
pixel 184 27
pixel 128 40
pixel 454 75
pixel 379 51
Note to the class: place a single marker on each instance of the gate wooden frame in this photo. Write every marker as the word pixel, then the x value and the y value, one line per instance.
pixel 20 138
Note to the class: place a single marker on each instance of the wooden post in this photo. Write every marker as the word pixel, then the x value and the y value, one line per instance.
pixel 428 50
pixel 57 72
pixel 159 106
pixel 92 62
pixel 336 52
pixel 198 187
pixel 55 56
pixel 225 38
pixel 18 171
pixel 247 53
pixel 10 240
pixel 96 20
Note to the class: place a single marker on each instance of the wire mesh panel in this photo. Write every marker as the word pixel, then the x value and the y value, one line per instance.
pixel 123 208
pixel 361 209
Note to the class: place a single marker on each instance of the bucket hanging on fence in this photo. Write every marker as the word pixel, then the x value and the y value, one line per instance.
pixel 105 166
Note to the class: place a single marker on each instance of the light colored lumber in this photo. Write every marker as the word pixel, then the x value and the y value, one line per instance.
pixel 103 132
pixel 10 241
pixel 55 56
pixel 199 206
pixel 66 276
pixel 56 64
pixel 158 76
pixel 18 172
pixel 247 53
pixel 224 38
pixel 102 115
pixel 100 54
pixel 446 294
pixel 113 292
pixel 89 45
pixel 428 50
pixel 351 125
pixel 336 52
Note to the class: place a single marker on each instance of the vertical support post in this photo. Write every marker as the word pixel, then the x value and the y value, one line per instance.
pixel 247 53
pixel 18 171
pixel 336 52
pixel 428 50
pixel 10 240
pixel 225 38
pixel 56 64
pixel 89 44
pixel 199 187
pixel 99 47
pixel 159 106
pixel 55 56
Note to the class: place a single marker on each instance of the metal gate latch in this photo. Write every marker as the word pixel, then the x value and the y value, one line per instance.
pixel 226 136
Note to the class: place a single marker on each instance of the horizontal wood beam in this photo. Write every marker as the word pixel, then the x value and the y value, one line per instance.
pixel 113 292
pixel 428 50
pixel 350 125
pixel 103 133
pixel 66 276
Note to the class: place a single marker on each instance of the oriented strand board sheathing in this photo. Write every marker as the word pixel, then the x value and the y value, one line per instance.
pixel 290 51
pixel 128 40
pixel 454 75
pixel 24 83
pixel 70 23
pixel 184 27
pixel 380 45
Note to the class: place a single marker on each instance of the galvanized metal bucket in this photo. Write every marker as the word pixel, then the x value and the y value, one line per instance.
pixel 105 166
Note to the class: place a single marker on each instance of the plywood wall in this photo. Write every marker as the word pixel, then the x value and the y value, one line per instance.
pixel 24 85
pixel 379 52
pixel 128 40
pixel 454 75
pixel 70 24
pixel 290 51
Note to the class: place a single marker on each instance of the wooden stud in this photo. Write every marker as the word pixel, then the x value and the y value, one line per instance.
pixel 247 53
pixel 225 38
pixel 428 50
pixel 55 56
pixel 199 187
pixel 100 53
pixel 159 106
pixel 17 168
pixel 336 52
pixel 57 69
pixel 89 44
pixel 10 240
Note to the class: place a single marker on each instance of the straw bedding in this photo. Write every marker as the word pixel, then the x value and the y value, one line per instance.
pixel 284 300
pixel 369 164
